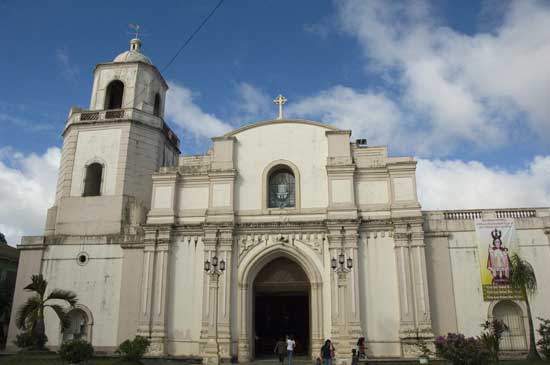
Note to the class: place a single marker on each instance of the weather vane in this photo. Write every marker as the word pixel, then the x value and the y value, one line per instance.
pixel 135 28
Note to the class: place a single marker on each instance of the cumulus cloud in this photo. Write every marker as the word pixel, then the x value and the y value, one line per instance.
pixel 367 114
pixel 455 184
pixel 27 190
pixel 460 88
pixel 184 112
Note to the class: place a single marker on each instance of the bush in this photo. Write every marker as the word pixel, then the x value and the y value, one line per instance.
pixel 76 351
pixel 461 350
pixel 544 332
pixel 133 349
pixel 30 341
pixel 491 337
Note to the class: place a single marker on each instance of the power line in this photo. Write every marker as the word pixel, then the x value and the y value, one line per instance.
pixel 190 38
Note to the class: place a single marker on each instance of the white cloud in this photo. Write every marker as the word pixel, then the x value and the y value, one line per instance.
pixel 254 102
pixel 27 190
pixel 455 184
pixel 183 111
pixel 69 70
pixel 367 114
pixel 459 88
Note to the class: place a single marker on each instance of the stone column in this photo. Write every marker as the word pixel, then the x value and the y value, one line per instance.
pixel 154 283
pixel 244 310
pixel 414 301
pixel 346 324
pixel 215 333
pixel 224 307
pixel 316 319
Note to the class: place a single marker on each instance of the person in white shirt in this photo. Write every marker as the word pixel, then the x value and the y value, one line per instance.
pixel 290 345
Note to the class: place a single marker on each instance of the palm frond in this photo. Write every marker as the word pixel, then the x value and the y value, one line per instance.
pixel 522 275
pixel 28 312
pixel 66 295
pixel 62 315
pixel 38 285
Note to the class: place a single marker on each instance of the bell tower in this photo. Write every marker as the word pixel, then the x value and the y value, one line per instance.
pixel 111 150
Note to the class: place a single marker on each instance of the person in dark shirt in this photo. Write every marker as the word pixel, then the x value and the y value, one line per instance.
pixel 280 349
pixel 327 352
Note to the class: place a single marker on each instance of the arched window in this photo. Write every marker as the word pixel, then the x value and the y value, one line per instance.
pixel 156 109
pixel 510 313
pixel 92 181
pixel 113 97
pixel 79 326
pixel 282 188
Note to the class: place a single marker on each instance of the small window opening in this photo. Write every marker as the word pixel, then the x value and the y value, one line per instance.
pixel 156 109
pixel 113 97
pixel 92 182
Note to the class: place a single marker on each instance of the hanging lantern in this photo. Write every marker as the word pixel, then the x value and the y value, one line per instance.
pixel 207 265
pixel 341 259
pixel 350 263
pixel 215 261
pixel 333 263
pixel 222 265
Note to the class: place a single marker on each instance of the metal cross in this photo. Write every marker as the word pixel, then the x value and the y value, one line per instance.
pixel 280 100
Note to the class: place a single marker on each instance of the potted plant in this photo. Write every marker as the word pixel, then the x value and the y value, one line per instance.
pixel 424 357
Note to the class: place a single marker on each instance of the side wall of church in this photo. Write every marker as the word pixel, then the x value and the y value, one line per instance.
pixel 454 270
pixel 96 283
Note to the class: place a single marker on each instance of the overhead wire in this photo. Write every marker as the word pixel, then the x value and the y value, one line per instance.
pixel 187 41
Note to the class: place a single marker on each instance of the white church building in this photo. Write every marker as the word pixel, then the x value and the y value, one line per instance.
pixel 285 226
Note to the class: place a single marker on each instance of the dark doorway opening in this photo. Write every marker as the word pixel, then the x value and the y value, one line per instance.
pixel 280 315
pixel 281 307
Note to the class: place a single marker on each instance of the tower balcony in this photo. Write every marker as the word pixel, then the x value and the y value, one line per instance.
pixel 82 116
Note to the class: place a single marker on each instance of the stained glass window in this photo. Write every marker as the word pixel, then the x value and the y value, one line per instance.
pixel 282 189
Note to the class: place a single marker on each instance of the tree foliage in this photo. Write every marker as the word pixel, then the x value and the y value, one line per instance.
pixel 30 316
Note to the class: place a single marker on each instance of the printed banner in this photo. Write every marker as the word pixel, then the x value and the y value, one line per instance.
pixel 497 241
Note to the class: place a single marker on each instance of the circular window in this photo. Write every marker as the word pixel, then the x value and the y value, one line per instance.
pixel 82 258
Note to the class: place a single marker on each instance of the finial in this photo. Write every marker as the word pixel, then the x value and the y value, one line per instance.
pixel 280 100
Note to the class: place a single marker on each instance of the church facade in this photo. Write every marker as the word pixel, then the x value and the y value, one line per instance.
pixel 281 227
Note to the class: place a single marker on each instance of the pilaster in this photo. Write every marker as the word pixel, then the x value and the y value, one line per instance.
pixel 152 318
pixel 414 303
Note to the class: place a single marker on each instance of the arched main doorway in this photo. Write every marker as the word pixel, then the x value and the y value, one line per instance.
pixel 281 300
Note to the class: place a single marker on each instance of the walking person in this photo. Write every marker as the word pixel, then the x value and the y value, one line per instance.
pixel 361 348
pixel 290 345
pixel 327 353
pixel 280 350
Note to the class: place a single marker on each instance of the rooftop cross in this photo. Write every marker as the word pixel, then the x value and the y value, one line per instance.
pixel 280 100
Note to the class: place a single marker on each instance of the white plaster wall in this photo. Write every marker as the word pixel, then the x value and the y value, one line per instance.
pixel 97 285
pixel 372 192
pixel 96 145
pixel 403 188
pixel 302 144
pixel 193 197
pixel 184 302
pixel 471 309
pixel 380 296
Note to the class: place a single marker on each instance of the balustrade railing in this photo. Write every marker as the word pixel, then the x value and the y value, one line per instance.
pixel 472 214
pixel 500 213
pixel 517 213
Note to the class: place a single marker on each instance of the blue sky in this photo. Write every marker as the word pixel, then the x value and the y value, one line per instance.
pixel 463 86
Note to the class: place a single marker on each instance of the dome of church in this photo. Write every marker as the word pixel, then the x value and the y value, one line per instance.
pixel 133 55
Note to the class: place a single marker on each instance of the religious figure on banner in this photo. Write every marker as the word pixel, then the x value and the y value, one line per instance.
pixel 498 261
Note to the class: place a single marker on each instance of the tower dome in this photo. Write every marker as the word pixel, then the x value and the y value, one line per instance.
pixel 133 55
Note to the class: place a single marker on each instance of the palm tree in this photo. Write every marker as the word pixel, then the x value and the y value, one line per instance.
pixel 30 315
pixel 523 279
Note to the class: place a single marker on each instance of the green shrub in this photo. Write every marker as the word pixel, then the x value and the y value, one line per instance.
pixel 133 349
pixel 30 341
pixel 544 332
pixel 76 351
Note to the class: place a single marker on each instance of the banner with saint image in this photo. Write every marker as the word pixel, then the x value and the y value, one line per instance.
pixel 497 241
